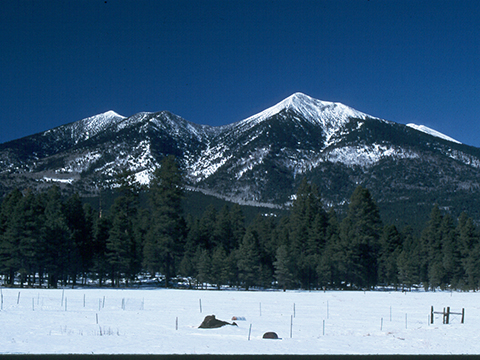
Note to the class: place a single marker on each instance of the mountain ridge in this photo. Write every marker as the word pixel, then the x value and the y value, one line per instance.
pixel 258 160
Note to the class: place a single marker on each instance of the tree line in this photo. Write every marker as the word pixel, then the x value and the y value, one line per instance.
pixel 45 238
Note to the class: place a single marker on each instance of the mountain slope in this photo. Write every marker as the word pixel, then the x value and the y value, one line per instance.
pixel 259 160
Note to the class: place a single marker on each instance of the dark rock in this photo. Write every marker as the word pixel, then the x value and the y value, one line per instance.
pixel 210 322
pixel 270 335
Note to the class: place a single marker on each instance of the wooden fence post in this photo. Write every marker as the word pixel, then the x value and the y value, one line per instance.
pixel 463 315
pixel 431 315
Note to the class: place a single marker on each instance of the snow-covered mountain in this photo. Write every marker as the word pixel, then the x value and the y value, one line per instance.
pixel 259 160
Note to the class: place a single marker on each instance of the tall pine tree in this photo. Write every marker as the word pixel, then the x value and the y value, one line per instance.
pixel 361 232
pixel 164 241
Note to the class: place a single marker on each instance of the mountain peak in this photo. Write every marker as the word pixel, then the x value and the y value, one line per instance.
pixel 313 110
pixel 111 113
pixel 330 116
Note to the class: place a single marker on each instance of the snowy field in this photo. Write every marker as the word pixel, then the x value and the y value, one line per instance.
pixel 159 321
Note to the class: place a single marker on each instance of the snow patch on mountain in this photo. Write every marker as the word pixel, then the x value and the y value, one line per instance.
pixel 253 159
pixel 209 161
pixel 143 177
pixel 432 132
pixel 91 126
pixel 58 180
pixel 464 158
pixel 367 155
pixel 80 163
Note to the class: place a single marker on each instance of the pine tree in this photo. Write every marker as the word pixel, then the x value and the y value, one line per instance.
pixel 468 240
pixel 121 242
pixel 29 219
pixel 328 268
pixel 248 260
pixel 472 267
pixel 207 228
pixel 9 235
pixel 57 240
pixel 263 227
pixel 188 263
pixel 451 258
pixel 284 268
pixel 431 269
pixel 307 233
pixel 102 227
pixel 361 234
pixel 409 259
pixel 390 249
pixel 204 266
pixel 219 267
pixel 164 242
pixel 237 225
pixel 82 236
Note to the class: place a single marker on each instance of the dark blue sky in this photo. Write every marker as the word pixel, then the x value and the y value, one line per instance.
pixel 217 62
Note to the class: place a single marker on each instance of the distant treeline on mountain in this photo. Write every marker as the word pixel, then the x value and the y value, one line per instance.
pixel 47 240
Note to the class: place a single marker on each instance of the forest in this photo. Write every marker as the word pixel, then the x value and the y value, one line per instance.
pixel 50 240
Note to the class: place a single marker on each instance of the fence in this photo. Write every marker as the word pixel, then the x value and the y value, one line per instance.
pixel 446 315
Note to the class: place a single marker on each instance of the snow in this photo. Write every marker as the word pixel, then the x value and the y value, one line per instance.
pixel 143 177
pixel 432 132
pixel 363 155
pixel 139 321
pixel 63 181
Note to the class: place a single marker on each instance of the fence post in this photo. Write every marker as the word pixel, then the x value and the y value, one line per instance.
pixel 463 315
pixel 291 325
pixel 448 315
pixel 431 315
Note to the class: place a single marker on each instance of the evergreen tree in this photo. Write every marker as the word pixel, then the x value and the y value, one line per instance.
pixel 390 249
pixel 451 258
pixel 350 262
pixel 248 260
pixel 284 268
pixel 165 240
pixel 207 228
pixel 237 226
pixel 409 259
pixel 204 266
pixel 82 236
pixel 219 268
pixel 222 232
pixel 468 239
pixel 120 242
pixel 57 241
pixel 102 227
pixel 121 253
pixel 330 259
pixel 10 226
pixel 188 264
pixel 29 216
pixel 361 234
pixel 262 227
pixel 472 267
pixel 431 269
pixel 307 233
